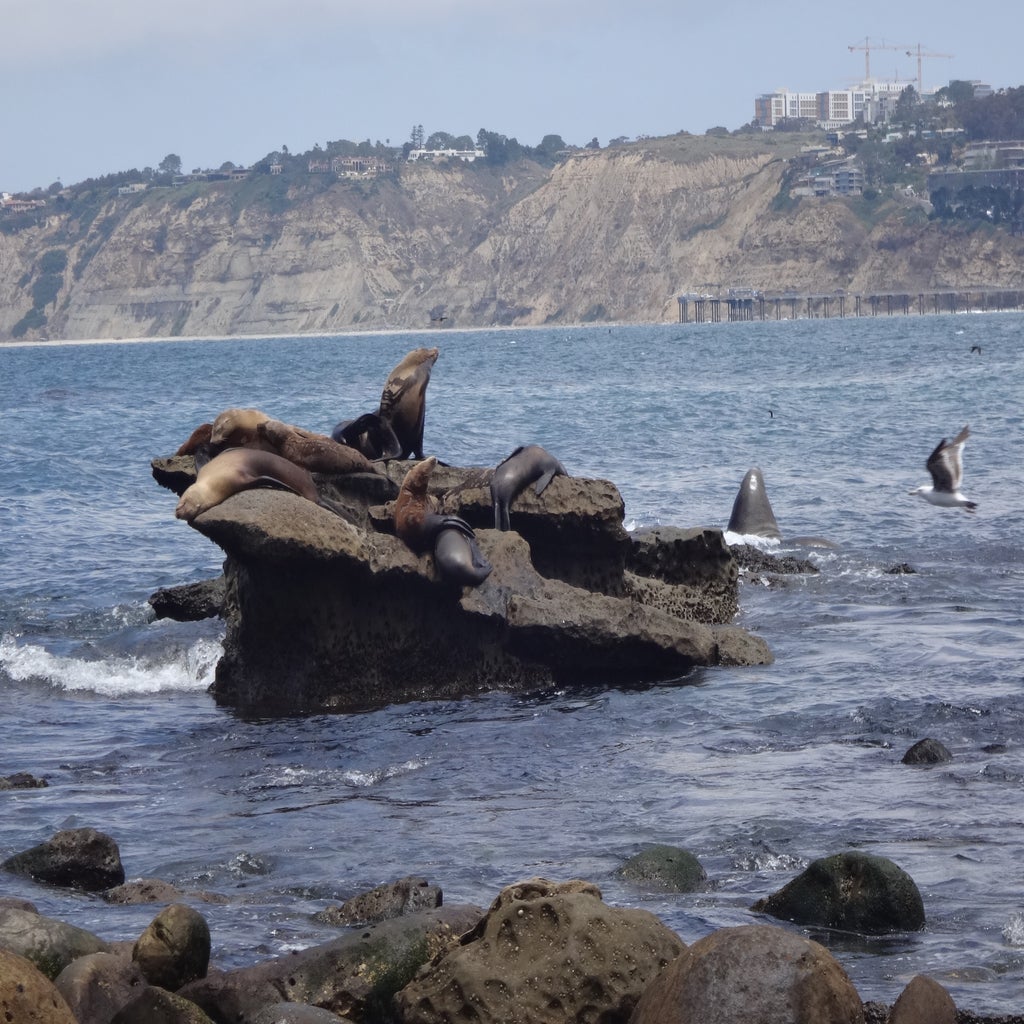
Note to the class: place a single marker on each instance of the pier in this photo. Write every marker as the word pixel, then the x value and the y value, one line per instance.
pixel 737 304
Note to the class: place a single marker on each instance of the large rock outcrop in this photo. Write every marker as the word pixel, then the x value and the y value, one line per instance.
pixel 328 610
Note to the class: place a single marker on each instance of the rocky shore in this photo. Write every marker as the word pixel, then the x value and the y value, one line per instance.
pixel 544 952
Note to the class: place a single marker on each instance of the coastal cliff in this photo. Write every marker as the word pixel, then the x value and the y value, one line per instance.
pixel 604 236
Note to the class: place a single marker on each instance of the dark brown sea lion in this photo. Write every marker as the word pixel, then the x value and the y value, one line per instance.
pixel 237 427
pixel 197 439
pixel 456 554
pixel 369 434
pixel 239 469
pixel 315 452
pixel 525 465
pixel 403 401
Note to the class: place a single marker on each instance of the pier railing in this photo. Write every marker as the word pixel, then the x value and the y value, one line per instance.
pixel 716 308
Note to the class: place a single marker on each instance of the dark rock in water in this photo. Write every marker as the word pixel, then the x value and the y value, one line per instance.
pixel 384 902
pixel 751 973
pixel 903 569
pixel 544 952
pixel 190 602
pixel 329 610
pixel 850 891
pixel 927 751
pixel 668 867
pixel 22 780
pixel 754 560
pixel 80 858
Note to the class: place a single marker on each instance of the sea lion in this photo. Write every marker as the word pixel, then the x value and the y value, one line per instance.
pixel 403 400
pixel 237 427
pixel 239 469
pixel 369 434
pixel 525 465
pixel 452 540
pixel 198 438
pixel 315 452
pixel 752 511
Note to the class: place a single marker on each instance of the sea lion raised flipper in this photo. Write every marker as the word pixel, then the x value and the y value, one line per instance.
pixel 528 463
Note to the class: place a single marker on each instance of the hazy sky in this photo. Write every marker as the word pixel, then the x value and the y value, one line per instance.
pixel 90 87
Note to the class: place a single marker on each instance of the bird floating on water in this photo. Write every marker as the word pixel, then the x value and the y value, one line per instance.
pixel 946 467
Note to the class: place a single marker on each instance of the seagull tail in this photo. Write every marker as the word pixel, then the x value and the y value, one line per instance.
pixel 970 506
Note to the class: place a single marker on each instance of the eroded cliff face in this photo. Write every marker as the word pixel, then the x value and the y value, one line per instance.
pixel 612 235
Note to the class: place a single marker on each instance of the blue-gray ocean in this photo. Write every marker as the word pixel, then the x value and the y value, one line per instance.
pixel 756 770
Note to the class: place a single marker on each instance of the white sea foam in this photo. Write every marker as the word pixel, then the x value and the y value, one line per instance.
pixel 190 669
pixel 1013 930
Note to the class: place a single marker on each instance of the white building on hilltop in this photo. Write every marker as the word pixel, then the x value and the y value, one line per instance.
pixel 872 102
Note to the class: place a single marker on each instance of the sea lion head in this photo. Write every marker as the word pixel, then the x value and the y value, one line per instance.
pixel 236 426
pixel 193 501
pixel 417 480
pixel 412 506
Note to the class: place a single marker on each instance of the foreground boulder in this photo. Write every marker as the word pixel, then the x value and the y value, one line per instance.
pixel 547 953
pixel 327 609
pixel 853 892
pixel 175 947
pixel 97 986
pixel 752 973
pixel 356 974
pixel 27 996
pixel 48 943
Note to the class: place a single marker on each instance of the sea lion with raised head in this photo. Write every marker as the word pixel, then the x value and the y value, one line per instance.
pixel 523 467
pixel 751 510
pixel 237 427
pixel 239 469
pixel 403 402
pixel 452 540
pixel 369 434
pixel 315 452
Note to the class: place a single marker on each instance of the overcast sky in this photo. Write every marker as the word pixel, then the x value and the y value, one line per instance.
pixel 90 87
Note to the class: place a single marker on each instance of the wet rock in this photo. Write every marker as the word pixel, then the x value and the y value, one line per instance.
pixel 753 560
pixel 666 867
pixel 354 975
pixel 175 947
pixel 22 780
pixel 79 858
pixel 902 569
pixel 385 901
pixel 751 973
pixel 927 751
pixel 923 1001
pixel 548 953
pixel 96 986
pixel 190 602
pixel 27 996
pixel 143 890
pixel 49 944
pixel 297 1013
pixel 850 891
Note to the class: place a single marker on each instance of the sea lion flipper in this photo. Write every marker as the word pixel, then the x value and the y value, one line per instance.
pixel 545 479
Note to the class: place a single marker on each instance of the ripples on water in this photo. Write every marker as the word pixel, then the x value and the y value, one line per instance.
pixel 758 771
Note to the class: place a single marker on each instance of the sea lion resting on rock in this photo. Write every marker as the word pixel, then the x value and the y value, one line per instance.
pixel 236 427
pixel 456 555
pixel 403 401
pixel 199 438
pixel 524 466
pixel 239 469
pixel 315 452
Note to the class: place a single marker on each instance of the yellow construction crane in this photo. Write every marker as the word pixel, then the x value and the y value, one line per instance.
pixel 923 53
pixel 867 46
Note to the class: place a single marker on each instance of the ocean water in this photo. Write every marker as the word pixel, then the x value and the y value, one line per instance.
pixel 757 770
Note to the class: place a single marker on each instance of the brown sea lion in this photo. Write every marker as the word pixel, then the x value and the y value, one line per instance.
pixel 451 539
pixel 315 452
pixel 403 401
pixel 199 437
pixel 522 468
pixel 237 427
pixel 239 469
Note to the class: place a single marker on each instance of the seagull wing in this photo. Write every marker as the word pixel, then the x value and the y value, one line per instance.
pixel 945 463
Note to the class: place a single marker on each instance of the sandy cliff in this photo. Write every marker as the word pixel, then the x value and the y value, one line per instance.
pixel 612 235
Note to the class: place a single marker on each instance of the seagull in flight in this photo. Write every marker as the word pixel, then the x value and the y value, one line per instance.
pixel 946 467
